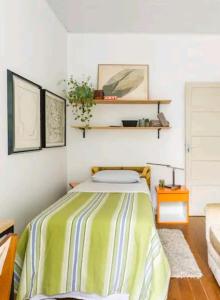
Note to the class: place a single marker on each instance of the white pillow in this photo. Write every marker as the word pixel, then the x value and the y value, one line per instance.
pixel 116 176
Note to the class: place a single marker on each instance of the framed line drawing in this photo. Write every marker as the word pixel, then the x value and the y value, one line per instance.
pixel 53 120
pixel 24 114
pixel 130 82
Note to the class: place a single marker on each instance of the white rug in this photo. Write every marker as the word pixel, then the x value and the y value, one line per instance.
pixel 180 257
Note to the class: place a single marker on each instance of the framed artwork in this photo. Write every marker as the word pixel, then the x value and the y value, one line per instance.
pixel 128 82
pixel 24 114
pixel 53 120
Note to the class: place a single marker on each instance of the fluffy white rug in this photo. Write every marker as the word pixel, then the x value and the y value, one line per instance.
pixel 181 259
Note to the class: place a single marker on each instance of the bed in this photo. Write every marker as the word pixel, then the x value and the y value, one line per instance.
pixel 99 241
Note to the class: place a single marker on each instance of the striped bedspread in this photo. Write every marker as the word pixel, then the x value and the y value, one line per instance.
pixel 96 243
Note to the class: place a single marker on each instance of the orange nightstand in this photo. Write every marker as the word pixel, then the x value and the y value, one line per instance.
pixel 73 184
pixel 172 205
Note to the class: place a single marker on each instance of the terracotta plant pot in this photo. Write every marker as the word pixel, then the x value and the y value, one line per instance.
pixel 99 94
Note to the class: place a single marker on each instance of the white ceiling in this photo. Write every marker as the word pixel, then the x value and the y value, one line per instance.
pixel 150 16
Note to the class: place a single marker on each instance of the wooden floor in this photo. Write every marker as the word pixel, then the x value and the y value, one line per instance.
pixel 205 288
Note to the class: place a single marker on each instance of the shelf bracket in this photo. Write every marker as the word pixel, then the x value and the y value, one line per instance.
pixel 84 132
pixel 158 133
pixel 158 107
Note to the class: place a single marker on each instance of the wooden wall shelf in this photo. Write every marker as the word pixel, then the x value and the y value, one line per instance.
pixel 127 101
pixel 157 102
pixel 84 129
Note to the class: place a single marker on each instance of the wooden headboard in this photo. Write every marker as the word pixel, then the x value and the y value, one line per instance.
pixel 145 172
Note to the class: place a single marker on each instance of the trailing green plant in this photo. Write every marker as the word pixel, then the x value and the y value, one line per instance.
pixel 80 96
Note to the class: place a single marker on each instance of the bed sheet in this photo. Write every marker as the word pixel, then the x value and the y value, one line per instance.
pixel 92 186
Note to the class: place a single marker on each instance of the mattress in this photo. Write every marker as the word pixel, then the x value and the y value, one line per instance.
pixel 91 186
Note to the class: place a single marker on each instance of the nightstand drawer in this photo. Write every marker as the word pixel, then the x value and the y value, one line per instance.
pixel 172 197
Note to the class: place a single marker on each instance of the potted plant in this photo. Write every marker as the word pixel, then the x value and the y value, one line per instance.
pixel 80 96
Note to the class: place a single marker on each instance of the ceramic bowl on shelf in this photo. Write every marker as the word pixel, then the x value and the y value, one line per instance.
pixel 129 123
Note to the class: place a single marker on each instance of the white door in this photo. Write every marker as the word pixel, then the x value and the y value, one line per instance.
pixel 202 145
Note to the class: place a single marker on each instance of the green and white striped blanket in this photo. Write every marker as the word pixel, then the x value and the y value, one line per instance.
pixel 96 243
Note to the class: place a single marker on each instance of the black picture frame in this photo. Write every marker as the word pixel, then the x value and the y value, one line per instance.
pixel 11 113
pixel 44 120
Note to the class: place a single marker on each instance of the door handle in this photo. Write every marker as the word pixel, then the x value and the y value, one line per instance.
pixel 188 148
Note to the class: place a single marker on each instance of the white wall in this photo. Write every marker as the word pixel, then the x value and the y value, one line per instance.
pixel 173 60
pixel 32 44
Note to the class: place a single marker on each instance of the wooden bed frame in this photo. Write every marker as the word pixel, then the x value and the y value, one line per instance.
pixel 145 172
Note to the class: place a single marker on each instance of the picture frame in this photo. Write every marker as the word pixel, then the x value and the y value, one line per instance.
pixel 125 81
pixel 24 114
pixel 53 120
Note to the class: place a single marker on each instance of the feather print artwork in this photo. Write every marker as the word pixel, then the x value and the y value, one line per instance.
pixel 124 82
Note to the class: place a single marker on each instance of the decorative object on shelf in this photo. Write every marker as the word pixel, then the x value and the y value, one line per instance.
pixel 80 96
pixel 141 122
pixel 124 81
pixel 53 120
pixel 173 185
pixel 162 183
pixel 154 123
pixel 163 120
pixel 24 114
pixel 147 122
pixel 110 98
pixel 99 94
pixel 129 123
